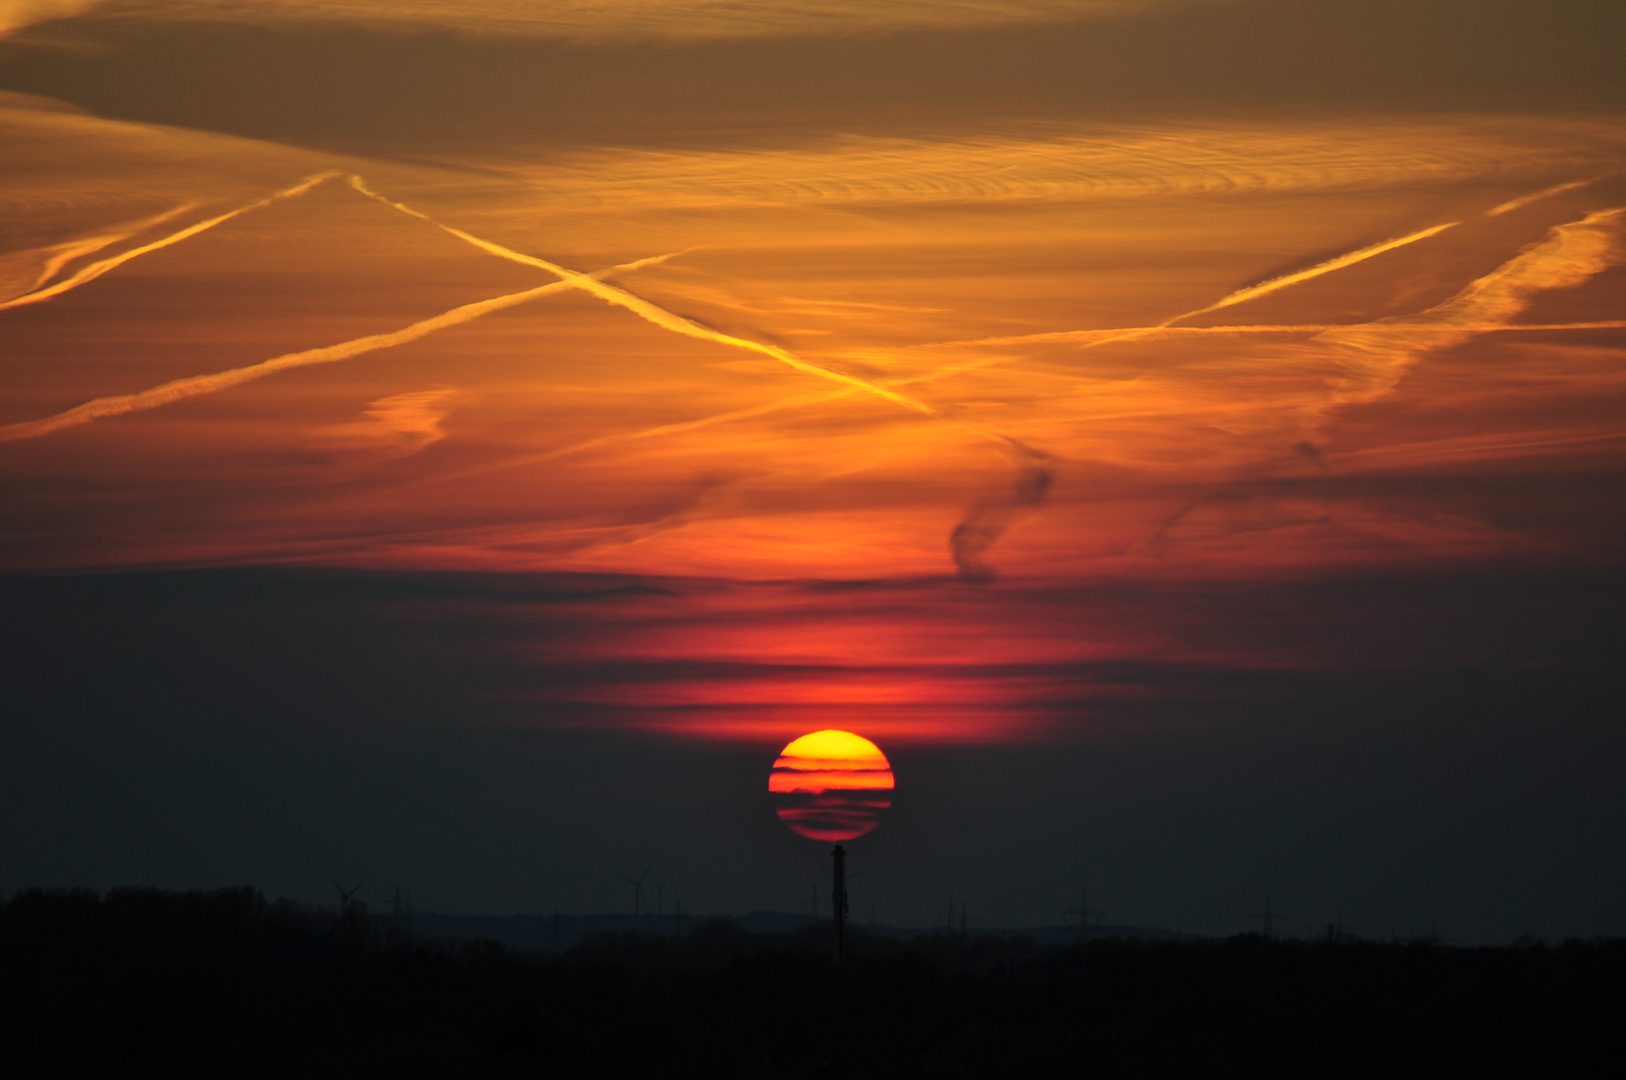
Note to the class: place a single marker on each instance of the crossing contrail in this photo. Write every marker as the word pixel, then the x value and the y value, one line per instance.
pixel 658 315
pixel 65 253
pixel 983 524
pixel 1482 308
pixel 1377 354
pixel 221 380
pixel 102 266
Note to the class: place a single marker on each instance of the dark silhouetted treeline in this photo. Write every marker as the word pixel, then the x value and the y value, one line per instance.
pixel 226 984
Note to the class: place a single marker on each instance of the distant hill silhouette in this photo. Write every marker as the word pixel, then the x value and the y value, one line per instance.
pixel 545 933
pixel 142 983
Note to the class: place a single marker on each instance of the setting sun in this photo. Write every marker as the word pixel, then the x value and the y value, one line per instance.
pixel 831 785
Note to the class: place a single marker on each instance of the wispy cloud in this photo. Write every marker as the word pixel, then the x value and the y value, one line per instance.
pixel 400 424
pixel 16 14
pixel 1058 165
pixel 1378 353
pixel 983 524
pixel 598 19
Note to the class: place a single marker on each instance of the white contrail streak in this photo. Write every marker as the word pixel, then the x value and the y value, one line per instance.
pixel 1102 337
pixel 1092 338
pixel 65 253
pixel 1265 288
pixel 220 380
pixel 658 315
pixel 102 266
pixel 1536 196
pixel 1377 354
pixel 984 523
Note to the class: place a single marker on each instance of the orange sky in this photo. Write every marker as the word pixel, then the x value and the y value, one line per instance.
pixel 460 443
pixel 1259 347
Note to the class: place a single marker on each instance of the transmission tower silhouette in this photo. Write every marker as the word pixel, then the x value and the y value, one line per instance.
pixel 1269 917
pixel 400 910
pixel 1084 911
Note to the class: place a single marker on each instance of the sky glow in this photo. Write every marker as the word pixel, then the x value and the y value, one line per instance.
pixel 987 377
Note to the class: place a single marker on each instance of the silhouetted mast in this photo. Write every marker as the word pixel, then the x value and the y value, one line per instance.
pixel 838 899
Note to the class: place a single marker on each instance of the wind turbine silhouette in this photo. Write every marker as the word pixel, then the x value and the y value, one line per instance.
pixel 637 884
pixel 345 896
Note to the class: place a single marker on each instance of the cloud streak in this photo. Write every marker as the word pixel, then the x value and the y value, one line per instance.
pixel 180 389
pixel 656 314
pixel 971 538
pixel 1265 288
pixel 1092 338
pixel 1536 196
pixel 90 273
pixel 621 19
pixel 59 255
pixel 16 14
pixel 1377 354
pixel 400 424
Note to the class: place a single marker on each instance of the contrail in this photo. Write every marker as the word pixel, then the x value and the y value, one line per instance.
pixel 221 380
pixel 1264 288
pixel 677 428
pixel 65 253
pixel 658 315
pixel 1536 196
pixel 1092 338
pixel 1104 336
pixel 1378 353
pixel 983 524
pixel 100 267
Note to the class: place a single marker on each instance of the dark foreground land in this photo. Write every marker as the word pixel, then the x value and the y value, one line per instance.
pixel 225 984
